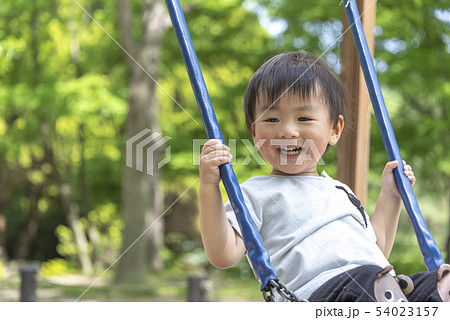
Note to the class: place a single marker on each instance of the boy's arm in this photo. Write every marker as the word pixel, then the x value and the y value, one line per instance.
pixel 387 209
pixel 223 246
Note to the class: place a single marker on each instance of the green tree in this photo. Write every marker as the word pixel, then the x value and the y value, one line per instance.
pixel 142 197
pixel 61 114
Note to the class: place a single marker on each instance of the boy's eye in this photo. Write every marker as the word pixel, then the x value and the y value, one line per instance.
pixel 271 120
pixel 303 119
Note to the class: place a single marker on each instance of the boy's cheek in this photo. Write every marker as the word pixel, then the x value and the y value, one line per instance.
pixel 267 153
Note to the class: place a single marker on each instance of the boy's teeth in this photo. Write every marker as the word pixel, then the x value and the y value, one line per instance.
pixel 290 150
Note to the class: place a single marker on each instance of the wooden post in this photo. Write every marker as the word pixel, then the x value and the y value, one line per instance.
pixel 28 285
pixel 197 288
pixel 354 146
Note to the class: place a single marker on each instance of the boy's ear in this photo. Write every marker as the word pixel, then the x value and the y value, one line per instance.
pixel 337 131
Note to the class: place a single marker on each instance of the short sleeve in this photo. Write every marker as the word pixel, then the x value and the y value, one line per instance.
pixel 249 198
pixel 232 217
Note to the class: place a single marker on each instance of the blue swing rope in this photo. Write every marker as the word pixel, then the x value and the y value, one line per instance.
pixel 431 254
pixel 257 253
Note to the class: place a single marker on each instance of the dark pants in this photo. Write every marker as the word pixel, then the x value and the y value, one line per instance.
pixel 357 285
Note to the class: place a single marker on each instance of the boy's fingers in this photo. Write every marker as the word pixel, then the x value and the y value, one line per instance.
pixel 390 166
pixel 218 147
pixel 216 154
pixel 411 176
pixel 409 173
pixel 412 179
pixel 220 153
pixel 211 142
pixel 214 144
pixel 219 160
pixel 225 159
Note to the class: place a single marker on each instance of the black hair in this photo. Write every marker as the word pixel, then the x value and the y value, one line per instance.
pixel 295 73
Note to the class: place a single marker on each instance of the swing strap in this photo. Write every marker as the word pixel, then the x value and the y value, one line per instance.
pixel 256 252
pixel 431 254
pixel 355 201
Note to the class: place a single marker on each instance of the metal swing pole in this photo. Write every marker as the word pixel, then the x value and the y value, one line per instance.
pixel 257 253
pixel 431 254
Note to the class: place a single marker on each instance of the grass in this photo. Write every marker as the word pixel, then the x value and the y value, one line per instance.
pixel 159 287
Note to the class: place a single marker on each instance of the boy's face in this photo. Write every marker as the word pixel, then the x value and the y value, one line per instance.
pixel 294 134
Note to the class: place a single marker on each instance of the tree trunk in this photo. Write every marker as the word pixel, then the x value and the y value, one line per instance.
pixel 73 218
pixel 447 247
pixel 31 229
pixel 3 220
pixel 80 238
pixel 29 234
pixel 141 194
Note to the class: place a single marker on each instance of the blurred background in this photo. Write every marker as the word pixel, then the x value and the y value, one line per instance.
pixel 80 78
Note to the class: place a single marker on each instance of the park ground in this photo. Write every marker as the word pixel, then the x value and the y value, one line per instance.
pixel 159 288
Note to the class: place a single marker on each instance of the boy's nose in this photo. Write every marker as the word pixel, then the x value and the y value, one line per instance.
pixel 288 131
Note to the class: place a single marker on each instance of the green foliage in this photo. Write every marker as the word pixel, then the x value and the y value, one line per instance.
pixel 67 246
pixel 57 267
pixel 103 227
pixel 62 87
pixel 2 270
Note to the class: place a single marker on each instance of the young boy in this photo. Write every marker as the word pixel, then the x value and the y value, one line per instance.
pixel 322 245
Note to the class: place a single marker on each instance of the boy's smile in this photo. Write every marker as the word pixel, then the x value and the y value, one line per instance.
pixel 290 151
pixel 294 133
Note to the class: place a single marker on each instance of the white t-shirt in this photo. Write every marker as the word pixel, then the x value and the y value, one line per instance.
pixel 309 227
